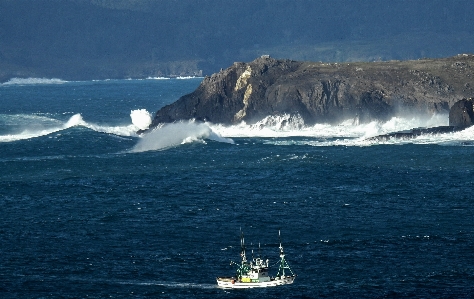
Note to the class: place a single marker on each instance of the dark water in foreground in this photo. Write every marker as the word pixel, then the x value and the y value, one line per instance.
pixel 82 214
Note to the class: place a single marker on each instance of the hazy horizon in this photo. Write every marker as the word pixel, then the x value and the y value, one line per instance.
pixel 91 39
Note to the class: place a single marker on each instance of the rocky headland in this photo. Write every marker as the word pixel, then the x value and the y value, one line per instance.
pixel 325 92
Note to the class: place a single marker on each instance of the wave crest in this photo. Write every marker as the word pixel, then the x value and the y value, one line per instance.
pixel 33 126
pixel 141 118
pixel 36 126
pixel 171 135
pixel 293 126
pixel 348 133
pixel 33 81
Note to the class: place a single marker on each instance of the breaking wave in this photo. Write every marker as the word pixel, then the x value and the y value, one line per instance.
pixel 347 133
pixel 188 77
pixel 33 126
pixel 157 78
pixel 141 118
pixel 461 138
pixel 175 134
pixel 294 126
pixel 33 81
pixel 276 130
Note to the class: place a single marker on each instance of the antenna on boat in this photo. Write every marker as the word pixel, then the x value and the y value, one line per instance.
pixel 259 255
pixel 242 245
pixel 281 247
pixel 283 264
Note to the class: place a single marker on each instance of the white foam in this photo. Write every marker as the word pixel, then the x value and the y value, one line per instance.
pixel 33 81
pixel 171 135
pixel 34 126
pixel 347 133
pixel 183 285
pixel 75 120
pixel 157 78
pixel 464 137
pixel 141 118
pixel 125 131
pixel 187 77
pixel 293 126
pixel 41 126
pixel 461 138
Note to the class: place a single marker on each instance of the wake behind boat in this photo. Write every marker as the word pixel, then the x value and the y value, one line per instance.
pixel 254 274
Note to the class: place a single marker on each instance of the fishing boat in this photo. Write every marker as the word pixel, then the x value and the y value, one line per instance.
pixel 254 274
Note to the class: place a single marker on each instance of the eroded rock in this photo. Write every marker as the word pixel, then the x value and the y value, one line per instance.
pixel 324 92
pixel 462 113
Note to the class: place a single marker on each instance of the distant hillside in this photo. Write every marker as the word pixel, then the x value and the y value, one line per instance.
pixel 85 39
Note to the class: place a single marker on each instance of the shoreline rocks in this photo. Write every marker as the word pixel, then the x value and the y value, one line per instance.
pixel 324 92
pixel 462 113
pixel 461 116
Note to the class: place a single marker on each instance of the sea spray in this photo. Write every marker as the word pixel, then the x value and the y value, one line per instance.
pixel 36 126
pixel 171 135
pixel 293 126
pixel 141 118
pixel 75 120
pixel 32 126
pixel 346 133
pixel 33 81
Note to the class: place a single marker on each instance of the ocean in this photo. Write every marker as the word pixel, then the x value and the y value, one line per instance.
pixel 89 209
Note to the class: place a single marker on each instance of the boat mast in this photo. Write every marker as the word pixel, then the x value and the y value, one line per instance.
pixel 283 264
pixel 242 246
pixel 243 268
pixel 282 257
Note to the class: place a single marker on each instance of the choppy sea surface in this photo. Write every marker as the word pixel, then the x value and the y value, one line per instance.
pixel 90 209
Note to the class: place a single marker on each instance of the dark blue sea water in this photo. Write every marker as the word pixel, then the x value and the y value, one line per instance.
pixel 90 209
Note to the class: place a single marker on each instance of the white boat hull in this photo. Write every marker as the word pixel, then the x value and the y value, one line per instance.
pixel 234 284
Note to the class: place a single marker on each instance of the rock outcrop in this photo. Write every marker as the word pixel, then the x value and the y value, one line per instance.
pixel 413 133
pixel 323 92
pixel 461 116
pixel 462 113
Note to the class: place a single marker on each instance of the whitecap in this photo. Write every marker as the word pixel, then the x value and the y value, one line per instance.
pixel 37 126
pixel 293 126
pixel 175 134
pixel 33 81
pixel 346 133
pixel 187 77
pixel 32 126
pixel 157 78
pixel 141 118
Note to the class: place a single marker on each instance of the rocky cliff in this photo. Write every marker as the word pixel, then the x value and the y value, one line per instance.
pixel 462 113
pixel 325 92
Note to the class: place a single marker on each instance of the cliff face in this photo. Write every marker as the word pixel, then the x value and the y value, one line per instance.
pixel 322 92
pixel 462 113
